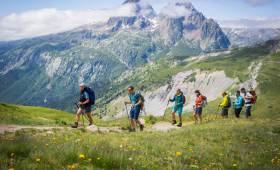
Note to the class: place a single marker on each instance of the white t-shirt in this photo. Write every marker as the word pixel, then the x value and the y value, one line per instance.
pixel 248 98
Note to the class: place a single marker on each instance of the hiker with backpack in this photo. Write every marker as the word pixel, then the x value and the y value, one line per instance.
pixel 137 102
pixel 248 97
pixel 200 102
pixel 179 100
pixel 87 99
pixel 238 104
pixel 225 104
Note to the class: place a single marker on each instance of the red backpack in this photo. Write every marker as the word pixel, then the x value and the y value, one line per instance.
pixel 254 98
pixel 184 99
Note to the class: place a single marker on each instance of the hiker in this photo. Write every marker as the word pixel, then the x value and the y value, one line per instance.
pixel 84 105
pixel 225 104
pixel 248 102
pixel 179 101
pixel 238 104
pixel 199 103
pixel 136 100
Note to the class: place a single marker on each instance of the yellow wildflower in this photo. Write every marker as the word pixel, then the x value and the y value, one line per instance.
pixel 82 156
pixel 178 154
pixel 38 159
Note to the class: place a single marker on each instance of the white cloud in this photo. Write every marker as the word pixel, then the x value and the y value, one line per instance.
pixel 47 21
pixel 251 23
pixel 172 10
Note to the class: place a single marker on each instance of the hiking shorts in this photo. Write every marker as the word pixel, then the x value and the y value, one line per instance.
pixel 86 109
pixel 198 111
pixel 224 112
pixel 178 110
pixel 134 113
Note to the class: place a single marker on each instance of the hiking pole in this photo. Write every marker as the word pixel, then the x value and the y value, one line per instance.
pixel 165 109
pixel 217 112
pixel 127 115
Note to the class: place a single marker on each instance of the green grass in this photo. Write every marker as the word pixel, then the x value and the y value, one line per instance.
pixel 27 115
pixel 218 144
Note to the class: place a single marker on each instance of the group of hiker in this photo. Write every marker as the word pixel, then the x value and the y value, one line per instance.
pixel 136 101
pixel 243 98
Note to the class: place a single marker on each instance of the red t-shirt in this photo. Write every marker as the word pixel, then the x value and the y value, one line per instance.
pixel 198 101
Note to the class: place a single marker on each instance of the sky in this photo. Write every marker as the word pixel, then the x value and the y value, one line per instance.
pixel 28 18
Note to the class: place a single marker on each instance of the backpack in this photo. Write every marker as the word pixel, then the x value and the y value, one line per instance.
pixel 204 101
pixel 142 99
pixel 91 95
pixel 243 102
pixel 254 98
pixel 184 99
pixel 229 102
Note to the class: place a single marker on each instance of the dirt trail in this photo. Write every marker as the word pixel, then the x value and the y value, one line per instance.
pixel 165 126
pixel 14 128
pixel 161 126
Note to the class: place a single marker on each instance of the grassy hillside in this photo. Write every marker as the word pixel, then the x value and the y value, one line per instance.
pixel 216 144
pixel 27 115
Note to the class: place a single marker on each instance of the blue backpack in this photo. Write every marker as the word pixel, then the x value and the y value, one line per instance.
pixel 91 95
pixel 229 102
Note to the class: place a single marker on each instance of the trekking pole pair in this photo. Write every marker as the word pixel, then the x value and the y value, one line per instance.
pixel 83 115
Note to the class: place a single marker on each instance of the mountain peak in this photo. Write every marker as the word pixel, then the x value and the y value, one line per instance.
pixel 131 1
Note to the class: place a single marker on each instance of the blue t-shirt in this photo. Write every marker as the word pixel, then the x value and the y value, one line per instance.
pixel 134 98
pixel 84 96
pixel 179 100
pixel 238 102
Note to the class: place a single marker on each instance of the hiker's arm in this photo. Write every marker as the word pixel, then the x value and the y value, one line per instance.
pixel 127 102
pixel 172 100
pixel 85 102
pixel 139 102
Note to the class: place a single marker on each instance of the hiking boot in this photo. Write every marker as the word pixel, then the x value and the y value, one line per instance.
pixel 179 125
pixel 141 127
pixel 132 130
pixel 75 125
pixel 174 122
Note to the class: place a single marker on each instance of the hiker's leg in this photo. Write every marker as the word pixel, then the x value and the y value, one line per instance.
pixel 226 112
pixel 239 111
pixel 195 115
pixel 200 114
pixel 180 118
pixel 236 112
pixel 89 118
pixel 132 118
pixel 173 116
pixel 88 113
pixel 248 111
pixel 78 114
